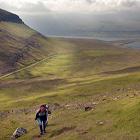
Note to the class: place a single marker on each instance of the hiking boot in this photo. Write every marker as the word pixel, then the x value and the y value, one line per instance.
pixel 45 131
pixel 41 133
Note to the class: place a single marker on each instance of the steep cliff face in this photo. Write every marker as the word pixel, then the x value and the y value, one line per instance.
pixel 9 17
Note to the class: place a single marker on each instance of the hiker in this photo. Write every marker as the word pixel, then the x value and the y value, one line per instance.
pixel 42 118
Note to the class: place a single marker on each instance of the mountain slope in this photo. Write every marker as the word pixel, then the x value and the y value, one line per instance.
pixel 81 73
pixel 20 45
pixel 9 17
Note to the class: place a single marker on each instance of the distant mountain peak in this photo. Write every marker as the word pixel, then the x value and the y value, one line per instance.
pixel 9 17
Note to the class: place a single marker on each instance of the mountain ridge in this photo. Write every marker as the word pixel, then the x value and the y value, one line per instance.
pixel 10 17
pixel 20 45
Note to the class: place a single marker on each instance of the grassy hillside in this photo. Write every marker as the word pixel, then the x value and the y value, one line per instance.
pixel 81 73
pixel 68 74
pixel 21 46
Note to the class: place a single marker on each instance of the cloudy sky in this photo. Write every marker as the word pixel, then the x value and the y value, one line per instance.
pixel 60 17
pixel 43 6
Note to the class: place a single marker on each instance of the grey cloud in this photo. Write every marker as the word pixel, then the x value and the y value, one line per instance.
pixel 130 3
pixel 6 6
pixel 84 24
pixel 35 8
pixel 91 1
pixel 122 3
pixel 43 6
pixel 26 8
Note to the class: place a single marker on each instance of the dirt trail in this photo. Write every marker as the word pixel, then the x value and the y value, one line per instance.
pixel 25 68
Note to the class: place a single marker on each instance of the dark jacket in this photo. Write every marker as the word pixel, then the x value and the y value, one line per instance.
pixel 42 115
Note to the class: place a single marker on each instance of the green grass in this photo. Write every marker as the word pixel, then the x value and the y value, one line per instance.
pixel 78 74
pixel 21 46
pixel 18 30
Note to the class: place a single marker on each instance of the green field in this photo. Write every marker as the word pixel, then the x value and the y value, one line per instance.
pixel 79 73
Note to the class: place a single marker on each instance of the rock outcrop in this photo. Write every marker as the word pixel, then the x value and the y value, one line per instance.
pixel 18 133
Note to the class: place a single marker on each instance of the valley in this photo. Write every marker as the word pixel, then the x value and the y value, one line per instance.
pixel 70 75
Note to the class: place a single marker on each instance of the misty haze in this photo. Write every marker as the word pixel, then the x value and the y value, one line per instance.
pixel 101 26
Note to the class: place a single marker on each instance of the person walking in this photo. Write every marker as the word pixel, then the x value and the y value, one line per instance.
pixel 42 118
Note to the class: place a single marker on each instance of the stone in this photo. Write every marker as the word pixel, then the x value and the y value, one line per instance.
pixel 115 99
pixel 135 94
pixel 88 108
pixel 104 99
pixel 119 89
pixel 18 133
pixel 67 105
pixel 132 96
pixel 94 103
pixel 100 123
